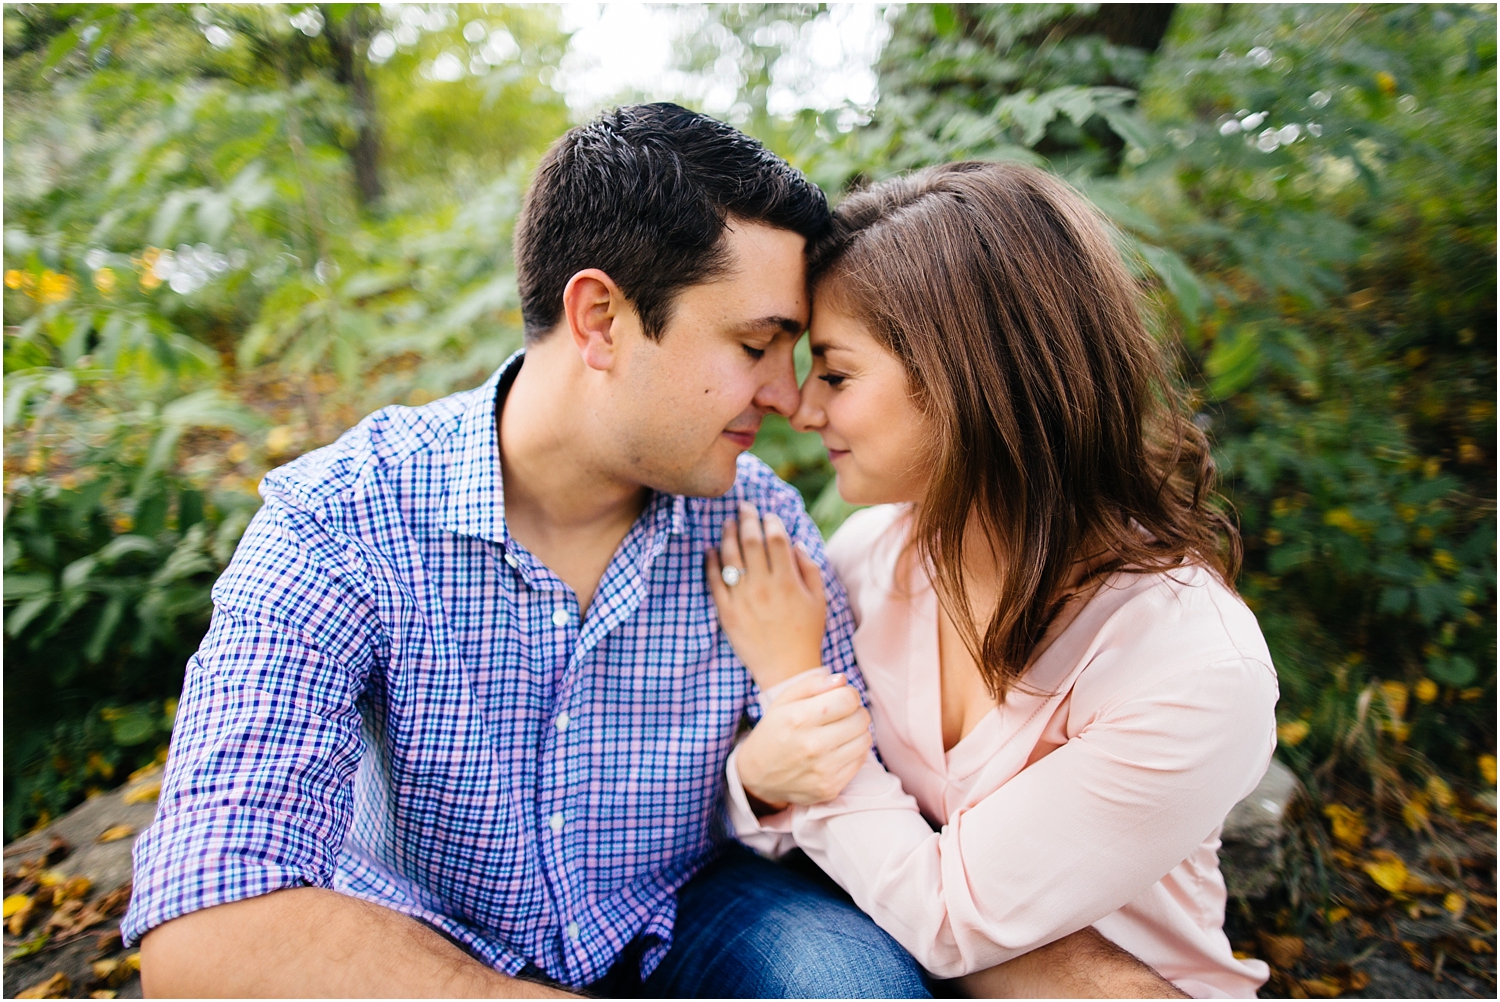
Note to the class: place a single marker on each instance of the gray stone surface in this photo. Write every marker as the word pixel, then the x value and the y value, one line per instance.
pixel 107 864
pixel 1255 833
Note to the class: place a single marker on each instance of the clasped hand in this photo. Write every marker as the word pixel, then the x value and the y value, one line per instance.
pixel 815 733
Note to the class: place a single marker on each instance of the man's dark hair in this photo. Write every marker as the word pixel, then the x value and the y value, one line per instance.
pixel 643 194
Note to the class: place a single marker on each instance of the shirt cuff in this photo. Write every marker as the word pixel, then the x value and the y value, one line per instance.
pixel 771 695
pixel 770 835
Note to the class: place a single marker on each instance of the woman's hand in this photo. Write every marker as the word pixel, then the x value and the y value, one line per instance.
pixel 774 614
pixel 808 745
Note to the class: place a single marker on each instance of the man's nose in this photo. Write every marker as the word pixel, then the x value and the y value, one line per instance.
pixel 779 392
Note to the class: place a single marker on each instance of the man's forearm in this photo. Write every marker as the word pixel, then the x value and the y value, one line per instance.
pixel 1082 965
pixel 311 942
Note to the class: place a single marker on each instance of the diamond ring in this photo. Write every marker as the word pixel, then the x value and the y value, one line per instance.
pixel 731 575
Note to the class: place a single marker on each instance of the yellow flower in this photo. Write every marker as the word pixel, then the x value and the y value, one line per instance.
pixel 1343 518
pixel 1444 561
pixel 1292 733
pixel 1274 537
pixel 15 279
pixel 1426 690
pixel 104 280
pixel 1386 82
pixel 55 287
pixel 1487 768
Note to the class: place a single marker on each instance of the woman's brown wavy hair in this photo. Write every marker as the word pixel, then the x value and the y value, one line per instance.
pixel 1060 428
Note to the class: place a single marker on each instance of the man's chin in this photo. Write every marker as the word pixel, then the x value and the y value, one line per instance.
pixel 713 478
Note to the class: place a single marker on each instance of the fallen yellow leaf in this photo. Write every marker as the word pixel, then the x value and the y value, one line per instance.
pixel 116 833
pixel 143 794
pixel 1439 791
pixel 1487 768
pixel 1322 988
pixel 55 987
pixel 1348 827
pixel 74 889
pixel 1337 915
pixel 1414 812
pixel 1388 871
pixel 1284 951
pixel 103 993
pixel 15 903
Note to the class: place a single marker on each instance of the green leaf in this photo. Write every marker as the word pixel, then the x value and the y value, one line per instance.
pixel 135 726
pixel 1456 671
pixel 1178 278
pixel 1234 362
pixel 108 620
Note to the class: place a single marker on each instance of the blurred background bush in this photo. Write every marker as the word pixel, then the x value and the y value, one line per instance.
pixel 232 231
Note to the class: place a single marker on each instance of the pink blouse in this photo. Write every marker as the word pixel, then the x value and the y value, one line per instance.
pixel 1093 797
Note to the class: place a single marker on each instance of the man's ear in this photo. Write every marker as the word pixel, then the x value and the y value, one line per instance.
pixel 594 307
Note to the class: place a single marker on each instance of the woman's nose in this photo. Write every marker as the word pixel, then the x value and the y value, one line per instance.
pixel 809 415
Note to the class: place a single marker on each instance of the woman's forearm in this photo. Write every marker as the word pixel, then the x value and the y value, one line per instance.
pixel 1067 841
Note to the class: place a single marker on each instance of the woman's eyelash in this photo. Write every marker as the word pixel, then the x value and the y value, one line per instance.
pixel 831 379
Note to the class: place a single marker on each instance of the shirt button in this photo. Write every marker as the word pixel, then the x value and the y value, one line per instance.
pixel 556 821
pixel 572 930
pixel 563 720
pixel 560 617
pixel 510 558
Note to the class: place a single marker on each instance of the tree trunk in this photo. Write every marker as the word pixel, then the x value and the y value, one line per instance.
pixel 348 35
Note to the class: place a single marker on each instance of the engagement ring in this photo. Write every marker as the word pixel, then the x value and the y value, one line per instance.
pixel 731 575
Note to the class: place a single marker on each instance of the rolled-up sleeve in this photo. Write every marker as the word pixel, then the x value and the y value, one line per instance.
pixel 258 788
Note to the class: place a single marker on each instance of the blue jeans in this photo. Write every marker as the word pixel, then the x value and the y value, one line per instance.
pixel 750 928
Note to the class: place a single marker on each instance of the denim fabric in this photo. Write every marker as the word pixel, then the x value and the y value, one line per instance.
pixel 750 928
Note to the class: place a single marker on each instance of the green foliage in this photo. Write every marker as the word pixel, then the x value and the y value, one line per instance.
pixel 1311 190
pixel 232 230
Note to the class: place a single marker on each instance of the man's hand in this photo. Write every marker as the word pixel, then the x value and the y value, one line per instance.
pixel 808 745
pixel 307 942
pixel 774 614
pixel 1083 965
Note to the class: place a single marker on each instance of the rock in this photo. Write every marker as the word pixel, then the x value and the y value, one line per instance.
pixel 83 860
pixel 106 864
pixel 1255 833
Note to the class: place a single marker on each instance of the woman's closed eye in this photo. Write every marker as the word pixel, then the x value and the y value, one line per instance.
pixel 832 379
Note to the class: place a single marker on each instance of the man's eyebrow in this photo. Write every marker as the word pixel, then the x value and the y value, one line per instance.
pixel 791 326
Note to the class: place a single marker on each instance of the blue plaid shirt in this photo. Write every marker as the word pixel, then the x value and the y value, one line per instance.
pixel 398 701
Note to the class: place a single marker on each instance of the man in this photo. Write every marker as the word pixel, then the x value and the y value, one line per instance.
pixel 460 722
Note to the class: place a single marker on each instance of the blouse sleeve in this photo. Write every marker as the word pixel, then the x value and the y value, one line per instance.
pixel 1070 839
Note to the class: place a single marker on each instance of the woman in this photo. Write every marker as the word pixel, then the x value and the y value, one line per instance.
pixel 1065 688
